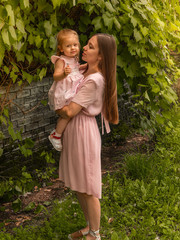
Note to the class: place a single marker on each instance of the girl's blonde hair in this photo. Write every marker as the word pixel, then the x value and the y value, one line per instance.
pixel 61 36
pixel 107 65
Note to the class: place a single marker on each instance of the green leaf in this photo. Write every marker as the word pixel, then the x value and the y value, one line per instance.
pixel 29 58
pixel 6 112
pixel 12 132
pixel 26 3
pixel 146 96
pixel 39 209
pixel 44 102
pixel 16 205
pixel 150 69
pixel 52 43
pixel 155 88
pixel 2 50
pixel 6 70
pixel 10 13
pixel 18 188
pixel 97 22
pixel 20 56
pixel 29 207
pixel 12 32
pixel 26 175
pixel 28 77
pixel 56 3
pixel 13 76
pixel 29 143
pixel 117 24
pixel 20 25
pixel 159 119
pixel 2 23
pixel 133 21
pixel 42 73
pixel 110 7
pixel 48 28
pixel 5 36
pixel 144 31
pixel 137 35
pixel 114 236
pixel 108 20
pixel 3 120
pixel 38 41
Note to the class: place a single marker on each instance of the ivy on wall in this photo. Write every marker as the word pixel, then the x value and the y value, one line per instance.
pixel 145 31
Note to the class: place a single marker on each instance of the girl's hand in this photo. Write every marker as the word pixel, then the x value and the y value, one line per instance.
pixel 67 70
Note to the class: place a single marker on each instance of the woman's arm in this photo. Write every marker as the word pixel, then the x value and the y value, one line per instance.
pixel 69 111
pixel 59 71
pixel 84 98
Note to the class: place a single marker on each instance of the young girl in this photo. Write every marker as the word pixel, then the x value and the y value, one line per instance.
pixel 66 79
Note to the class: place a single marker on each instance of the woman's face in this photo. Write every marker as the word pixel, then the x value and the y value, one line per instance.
pixel 91 51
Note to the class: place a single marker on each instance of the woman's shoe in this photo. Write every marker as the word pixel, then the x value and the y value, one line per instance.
pixel 95 234
pixel 76 235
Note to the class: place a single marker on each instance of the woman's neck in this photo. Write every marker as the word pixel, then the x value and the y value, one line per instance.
pixel 91 70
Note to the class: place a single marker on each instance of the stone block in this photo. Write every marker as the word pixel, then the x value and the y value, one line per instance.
pixel 24 93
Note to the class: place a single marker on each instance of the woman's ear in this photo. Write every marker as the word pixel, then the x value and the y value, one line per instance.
pixel 99 58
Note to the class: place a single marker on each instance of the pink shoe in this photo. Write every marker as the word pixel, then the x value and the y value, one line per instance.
pixel 55 140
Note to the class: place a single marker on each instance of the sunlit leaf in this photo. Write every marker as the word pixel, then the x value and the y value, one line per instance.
pixel 48 28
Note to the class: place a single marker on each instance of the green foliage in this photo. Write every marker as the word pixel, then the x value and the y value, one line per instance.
pixel 12 188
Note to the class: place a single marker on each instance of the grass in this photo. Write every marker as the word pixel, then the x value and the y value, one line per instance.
pixel 141 201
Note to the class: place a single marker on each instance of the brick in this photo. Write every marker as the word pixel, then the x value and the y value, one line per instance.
pixel 31 126
pixel 14 117
pixel 36 91
pixel 24 93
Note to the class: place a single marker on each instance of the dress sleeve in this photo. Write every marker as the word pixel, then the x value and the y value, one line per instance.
pixel 86 95
pixel 54 58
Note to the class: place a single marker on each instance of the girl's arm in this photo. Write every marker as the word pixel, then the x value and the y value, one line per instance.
pixel 59 71
pixel 69 111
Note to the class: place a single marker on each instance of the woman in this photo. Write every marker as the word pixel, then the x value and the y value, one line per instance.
pixel 80 163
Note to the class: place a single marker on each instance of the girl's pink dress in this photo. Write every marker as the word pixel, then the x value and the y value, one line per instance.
pixel 62 92
pixel 80 161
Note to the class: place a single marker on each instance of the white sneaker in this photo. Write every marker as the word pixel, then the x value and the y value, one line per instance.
pixel 55 140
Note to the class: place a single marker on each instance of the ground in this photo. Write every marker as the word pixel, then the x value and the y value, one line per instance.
pixel 111 155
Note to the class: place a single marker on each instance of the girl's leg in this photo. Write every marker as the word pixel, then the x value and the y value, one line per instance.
pixel 55 136
pixel 61 125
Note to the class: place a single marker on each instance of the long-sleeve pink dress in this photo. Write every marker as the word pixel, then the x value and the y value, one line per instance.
pixel 80 161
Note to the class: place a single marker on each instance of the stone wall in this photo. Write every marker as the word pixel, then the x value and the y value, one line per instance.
pixel 29 114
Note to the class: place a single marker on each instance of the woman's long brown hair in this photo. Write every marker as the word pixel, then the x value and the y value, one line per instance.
pixel 108 53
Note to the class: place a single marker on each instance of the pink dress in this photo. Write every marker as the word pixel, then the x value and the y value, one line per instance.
pixel 80 161
pixel 62 92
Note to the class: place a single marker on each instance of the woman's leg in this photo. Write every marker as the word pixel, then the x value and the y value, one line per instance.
pixel 83 205
pixel 92 211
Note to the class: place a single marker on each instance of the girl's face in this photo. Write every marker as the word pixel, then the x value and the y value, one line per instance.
pixel 70 46
pixel 91 51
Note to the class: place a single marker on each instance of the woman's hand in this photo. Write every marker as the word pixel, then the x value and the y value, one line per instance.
pixel 69 111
